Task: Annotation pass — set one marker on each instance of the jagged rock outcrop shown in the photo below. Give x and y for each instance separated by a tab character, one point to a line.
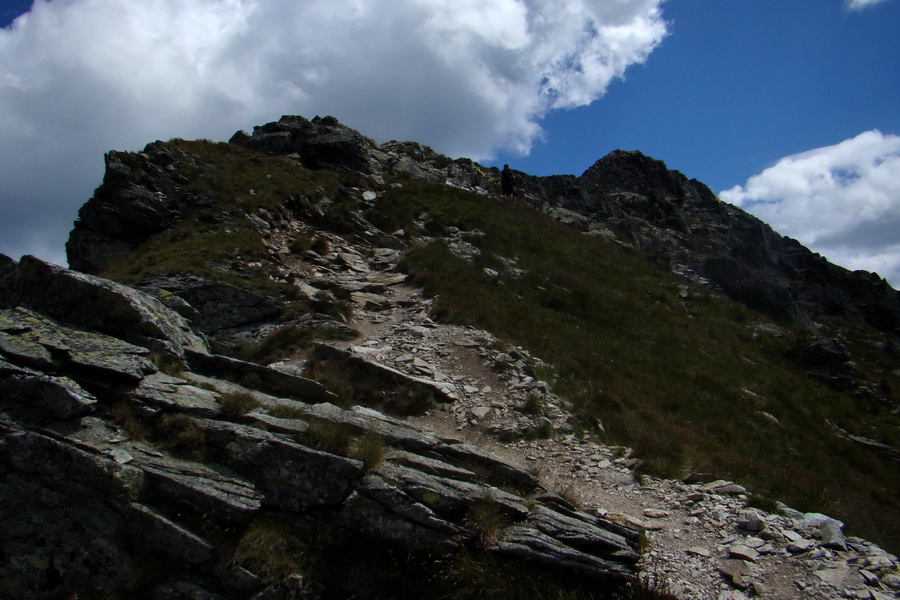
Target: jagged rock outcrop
324	143
106	461
211	305
145	193
96	303
139	197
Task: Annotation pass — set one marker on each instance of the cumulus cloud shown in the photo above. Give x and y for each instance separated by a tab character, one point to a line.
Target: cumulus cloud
468	77
842	201
861	4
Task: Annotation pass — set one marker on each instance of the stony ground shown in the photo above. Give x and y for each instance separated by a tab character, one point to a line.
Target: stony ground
702	540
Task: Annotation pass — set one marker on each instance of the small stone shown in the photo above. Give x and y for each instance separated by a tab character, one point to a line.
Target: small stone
423	366
120	456
698	551
655	513
720	514
771	535
832	536
732	595
760	589
743	552
737	571
481	412
833	577
700	478
627	520
869	577
792	536
892	581
716	484
294	582
801	546
879	563
732	488
751	520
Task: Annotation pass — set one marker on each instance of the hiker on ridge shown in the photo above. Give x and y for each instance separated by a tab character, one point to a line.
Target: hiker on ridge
507	188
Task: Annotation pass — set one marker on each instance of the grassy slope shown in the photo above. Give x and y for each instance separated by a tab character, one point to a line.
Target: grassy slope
683	381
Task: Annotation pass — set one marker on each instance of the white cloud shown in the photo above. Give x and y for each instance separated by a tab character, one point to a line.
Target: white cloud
468	77
842	201
861	4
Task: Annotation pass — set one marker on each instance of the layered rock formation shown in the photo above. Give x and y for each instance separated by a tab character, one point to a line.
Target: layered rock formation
107	461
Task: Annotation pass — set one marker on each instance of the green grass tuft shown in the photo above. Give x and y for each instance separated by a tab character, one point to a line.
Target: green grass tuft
180	434
329	436
370	449
237	404
280	343
488	519
268	549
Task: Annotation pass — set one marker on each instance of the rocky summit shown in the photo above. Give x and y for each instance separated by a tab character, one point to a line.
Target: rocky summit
301	364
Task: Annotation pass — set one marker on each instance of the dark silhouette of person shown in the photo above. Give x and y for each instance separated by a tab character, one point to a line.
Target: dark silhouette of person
507	183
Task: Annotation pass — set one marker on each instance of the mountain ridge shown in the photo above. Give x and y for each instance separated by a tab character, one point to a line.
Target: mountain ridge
658	210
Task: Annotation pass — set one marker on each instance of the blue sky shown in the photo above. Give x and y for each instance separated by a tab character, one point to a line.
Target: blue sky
790	109
735	86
